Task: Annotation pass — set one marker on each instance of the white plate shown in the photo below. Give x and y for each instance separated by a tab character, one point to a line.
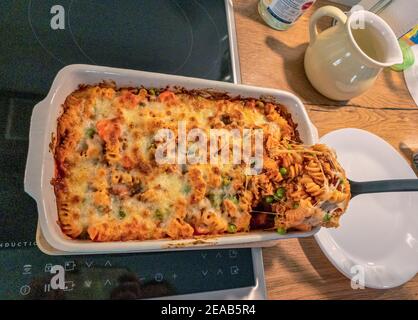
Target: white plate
411	76
379	232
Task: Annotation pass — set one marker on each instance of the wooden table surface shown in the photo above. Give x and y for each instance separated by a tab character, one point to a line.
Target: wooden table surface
297	269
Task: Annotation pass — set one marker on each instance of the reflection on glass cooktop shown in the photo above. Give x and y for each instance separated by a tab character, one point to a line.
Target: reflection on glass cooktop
186	37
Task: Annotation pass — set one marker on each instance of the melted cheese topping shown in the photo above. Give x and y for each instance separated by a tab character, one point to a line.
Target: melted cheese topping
109	186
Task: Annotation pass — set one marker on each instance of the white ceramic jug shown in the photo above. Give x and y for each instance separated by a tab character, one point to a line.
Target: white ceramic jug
343	61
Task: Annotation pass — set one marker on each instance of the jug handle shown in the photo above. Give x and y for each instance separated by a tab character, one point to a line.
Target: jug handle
322	12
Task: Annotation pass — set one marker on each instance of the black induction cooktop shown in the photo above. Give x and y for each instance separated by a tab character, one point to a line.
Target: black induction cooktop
38	38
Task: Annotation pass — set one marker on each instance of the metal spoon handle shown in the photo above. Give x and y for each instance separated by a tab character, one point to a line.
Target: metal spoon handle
383	186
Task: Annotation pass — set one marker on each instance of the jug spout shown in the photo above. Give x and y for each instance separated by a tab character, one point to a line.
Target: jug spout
373	39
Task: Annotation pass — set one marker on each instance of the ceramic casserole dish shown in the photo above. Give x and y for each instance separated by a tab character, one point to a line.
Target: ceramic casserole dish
40	166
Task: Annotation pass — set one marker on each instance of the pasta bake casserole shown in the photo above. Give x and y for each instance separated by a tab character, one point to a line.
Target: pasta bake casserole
110	187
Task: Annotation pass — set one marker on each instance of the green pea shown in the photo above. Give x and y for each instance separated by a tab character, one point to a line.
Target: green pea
281	231
187	188
84	146
259	104
152	91
327	217
283	171
122	214
232	228
158	214
234	199
211	197
226	181
90	132
295	205
269	199
215	199
280	193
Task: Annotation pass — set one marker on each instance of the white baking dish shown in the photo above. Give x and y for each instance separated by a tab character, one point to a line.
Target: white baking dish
40	163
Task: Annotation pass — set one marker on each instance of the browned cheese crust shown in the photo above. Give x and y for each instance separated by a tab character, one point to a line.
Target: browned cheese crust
109	186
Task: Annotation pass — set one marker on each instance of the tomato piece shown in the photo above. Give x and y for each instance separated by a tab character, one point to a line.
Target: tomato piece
130	100
109	130
167	96
127	163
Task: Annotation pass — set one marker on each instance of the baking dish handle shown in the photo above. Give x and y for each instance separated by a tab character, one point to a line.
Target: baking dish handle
33	170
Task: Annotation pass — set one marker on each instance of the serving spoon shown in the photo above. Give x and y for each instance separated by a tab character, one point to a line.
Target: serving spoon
364	187
399	185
